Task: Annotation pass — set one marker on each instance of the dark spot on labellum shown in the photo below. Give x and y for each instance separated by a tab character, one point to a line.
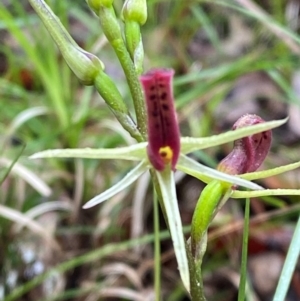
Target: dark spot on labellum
165	107
265	136
163	154
255	140
161	85
152	97
163	96
152	88
154	113
167	122
157	126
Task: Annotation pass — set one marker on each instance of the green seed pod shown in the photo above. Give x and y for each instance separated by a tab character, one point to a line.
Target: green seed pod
208	201
135	10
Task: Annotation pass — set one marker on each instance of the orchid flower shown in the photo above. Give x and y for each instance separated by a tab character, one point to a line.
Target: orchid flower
166	151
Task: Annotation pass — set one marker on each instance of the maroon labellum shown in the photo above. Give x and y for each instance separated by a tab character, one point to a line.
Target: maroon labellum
249	152
163	130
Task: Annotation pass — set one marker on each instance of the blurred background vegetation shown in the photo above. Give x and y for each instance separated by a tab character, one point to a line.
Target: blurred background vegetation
231	57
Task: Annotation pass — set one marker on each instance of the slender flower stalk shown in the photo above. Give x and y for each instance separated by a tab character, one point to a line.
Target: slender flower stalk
88	68
112	31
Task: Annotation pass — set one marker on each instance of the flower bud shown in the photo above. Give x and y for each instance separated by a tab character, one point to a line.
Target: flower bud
96	4
85	65
249	152
163	129
135	10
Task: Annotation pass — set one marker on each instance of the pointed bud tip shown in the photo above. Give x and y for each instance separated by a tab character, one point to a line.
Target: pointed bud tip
85	65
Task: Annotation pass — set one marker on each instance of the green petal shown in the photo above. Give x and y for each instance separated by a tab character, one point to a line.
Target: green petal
189	144
167	186
270	172
135	152
267	192
125	182
206	174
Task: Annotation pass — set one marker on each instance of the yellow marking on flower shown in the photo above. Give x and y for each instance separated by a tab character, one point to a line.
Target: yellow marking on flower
166	154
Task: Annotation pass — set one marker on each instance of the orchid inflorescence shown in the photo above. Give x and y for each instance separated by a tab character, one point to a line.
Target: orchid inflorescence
164	154
163	151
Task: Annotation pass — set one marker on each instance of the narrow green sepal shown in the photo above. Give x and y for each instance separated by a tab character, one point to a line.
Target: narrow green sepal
168	191
208	201
135	10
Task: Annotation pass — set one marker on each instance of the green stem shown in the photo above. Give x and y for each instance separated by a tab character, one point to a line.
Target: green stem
110	93
157	257
113	33
134	85
242	286
196	282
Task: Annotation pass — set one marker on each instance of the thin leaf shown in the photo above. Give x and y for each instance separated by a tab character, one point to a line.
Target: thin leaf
28	176
25	116
267	192
289	265
42	209
243	279
11	165
206	174
135	152
168	191
23	220
189	144
270	172
132	176
157	249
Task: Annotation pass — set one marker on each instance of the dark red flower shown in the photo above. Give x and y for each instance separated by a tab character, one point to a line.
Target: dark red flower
249	152
163	130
